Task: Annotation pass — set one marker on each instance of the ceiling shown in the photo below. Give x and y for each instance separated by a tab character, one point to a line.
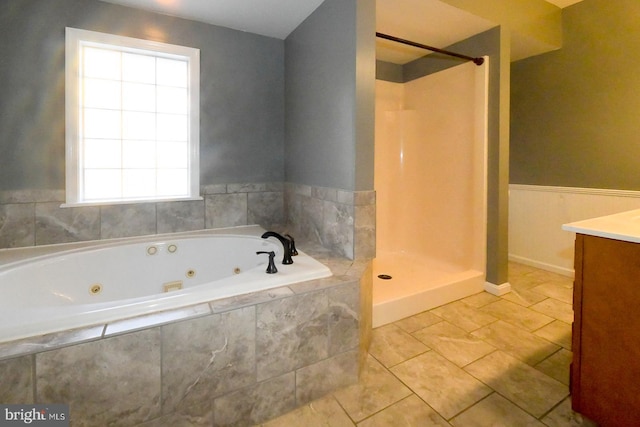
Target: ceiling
272	18
430	22
563	3
434	23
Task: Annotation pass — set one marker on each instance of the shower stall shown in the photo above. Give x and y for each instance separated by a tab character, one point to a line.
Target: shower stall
430	182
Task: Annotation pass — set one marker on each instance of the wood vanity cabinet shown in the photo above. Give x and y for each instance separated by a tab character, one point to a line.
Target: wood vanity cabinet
605	373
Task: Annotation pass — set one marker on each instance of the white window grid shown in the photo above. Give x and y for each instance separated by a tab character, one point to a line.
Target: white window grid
131	137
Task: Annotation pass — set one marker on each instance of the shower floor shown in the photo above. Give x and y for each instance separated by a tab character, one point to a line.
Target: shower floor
417	284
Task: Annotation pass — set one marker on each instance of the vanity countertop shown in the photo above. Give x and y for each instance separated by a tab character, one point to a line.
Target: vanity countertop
623	226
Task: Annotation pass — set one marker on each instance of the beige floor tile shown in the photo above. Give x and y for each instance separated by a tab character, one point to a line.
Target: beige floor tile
563	416
418	321
495	411
455	344
319	413
517	342
517	315
445	387
556	309
463	316
391	345
524	297
557	332
557	366
555	291
495	387
376	390
410	412
528	388
479	300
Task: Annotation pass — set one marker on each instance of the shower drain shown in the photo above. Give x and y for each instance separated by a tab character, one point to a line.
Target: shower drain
384	277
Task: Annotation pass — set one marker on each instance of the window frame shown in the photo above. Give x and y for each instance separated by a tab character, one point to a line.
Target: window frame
75	39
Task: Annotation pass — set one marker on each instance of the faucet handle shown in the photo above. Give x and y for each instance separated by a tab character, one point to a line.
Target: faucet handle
271	268
292	245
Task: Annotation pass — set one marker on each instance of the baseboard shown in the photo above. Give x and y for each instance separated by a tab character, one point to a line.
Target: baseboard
569	272
497	290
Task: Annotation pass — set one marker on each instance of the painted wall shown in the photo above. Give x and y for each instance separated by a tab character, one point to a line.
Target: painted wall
330	97
330	69
574	117
242	90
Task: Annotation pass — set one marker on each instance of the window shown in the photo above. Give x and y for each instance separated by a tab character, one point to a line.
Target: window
132	119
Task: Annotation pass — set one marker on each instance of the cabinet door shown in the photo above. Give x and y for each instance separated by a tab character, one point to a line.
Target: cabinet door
607	331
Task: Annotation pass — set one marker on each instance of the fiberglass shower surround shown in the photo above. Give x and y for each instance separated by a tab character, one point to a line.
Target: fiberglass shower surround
430	182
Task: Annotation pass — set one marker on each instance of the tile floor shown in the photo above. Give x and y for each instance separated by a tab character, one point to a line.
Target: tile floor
480	361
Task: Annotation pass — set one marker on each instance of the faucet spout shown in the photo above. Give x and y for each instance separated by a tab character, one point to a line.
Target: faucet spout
286	244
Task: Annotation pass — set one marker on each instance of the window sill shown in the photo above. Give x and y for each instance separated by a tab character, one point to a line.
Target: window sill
128	202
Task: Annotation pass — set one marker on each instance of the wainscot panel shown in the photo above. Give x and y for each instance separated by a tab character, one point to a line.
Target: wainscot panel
536	215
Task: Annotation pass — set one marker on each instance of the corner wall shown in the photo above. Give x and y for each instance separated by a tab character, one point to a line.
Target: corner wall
241	84
329	67
574	132
329	74
575	111
329	98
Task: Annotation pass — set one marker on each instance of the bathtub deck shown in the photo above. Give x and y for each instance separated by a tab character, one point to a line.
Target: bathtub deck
417	284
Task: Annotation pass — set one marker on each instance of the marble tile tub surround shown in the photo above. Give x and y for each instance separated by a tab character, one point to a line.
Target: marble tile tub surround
342	221
34	217
237	361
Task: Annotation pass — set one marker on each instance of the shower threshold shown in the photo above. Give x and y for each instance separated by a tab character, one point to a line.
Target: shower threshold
417	284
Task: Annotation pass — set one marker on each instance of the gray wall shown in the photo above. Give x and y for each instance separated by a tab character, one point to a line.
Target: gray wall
328	129
574	117
489	44
365	94
242	90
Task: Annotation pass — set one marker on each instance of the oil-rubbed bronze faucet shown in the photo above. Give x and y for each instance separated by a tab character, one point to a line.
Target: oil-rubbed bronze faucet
292	244
271	268
286	244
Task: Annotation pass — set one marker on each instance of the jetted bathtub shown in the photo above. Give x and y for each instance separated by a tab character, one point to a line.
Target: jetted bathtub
66	286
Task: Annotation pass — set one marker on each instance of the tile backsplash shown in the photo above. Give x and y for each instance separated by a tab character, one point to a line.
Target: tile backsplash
34	217
342	221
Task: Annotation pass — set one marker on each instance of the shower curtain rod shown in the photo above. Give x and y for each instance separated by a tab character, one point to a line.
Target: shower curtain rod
477	61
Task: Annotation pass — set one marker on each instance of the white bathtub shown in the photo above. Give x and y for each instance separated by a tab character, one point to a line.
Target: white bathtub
67	286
